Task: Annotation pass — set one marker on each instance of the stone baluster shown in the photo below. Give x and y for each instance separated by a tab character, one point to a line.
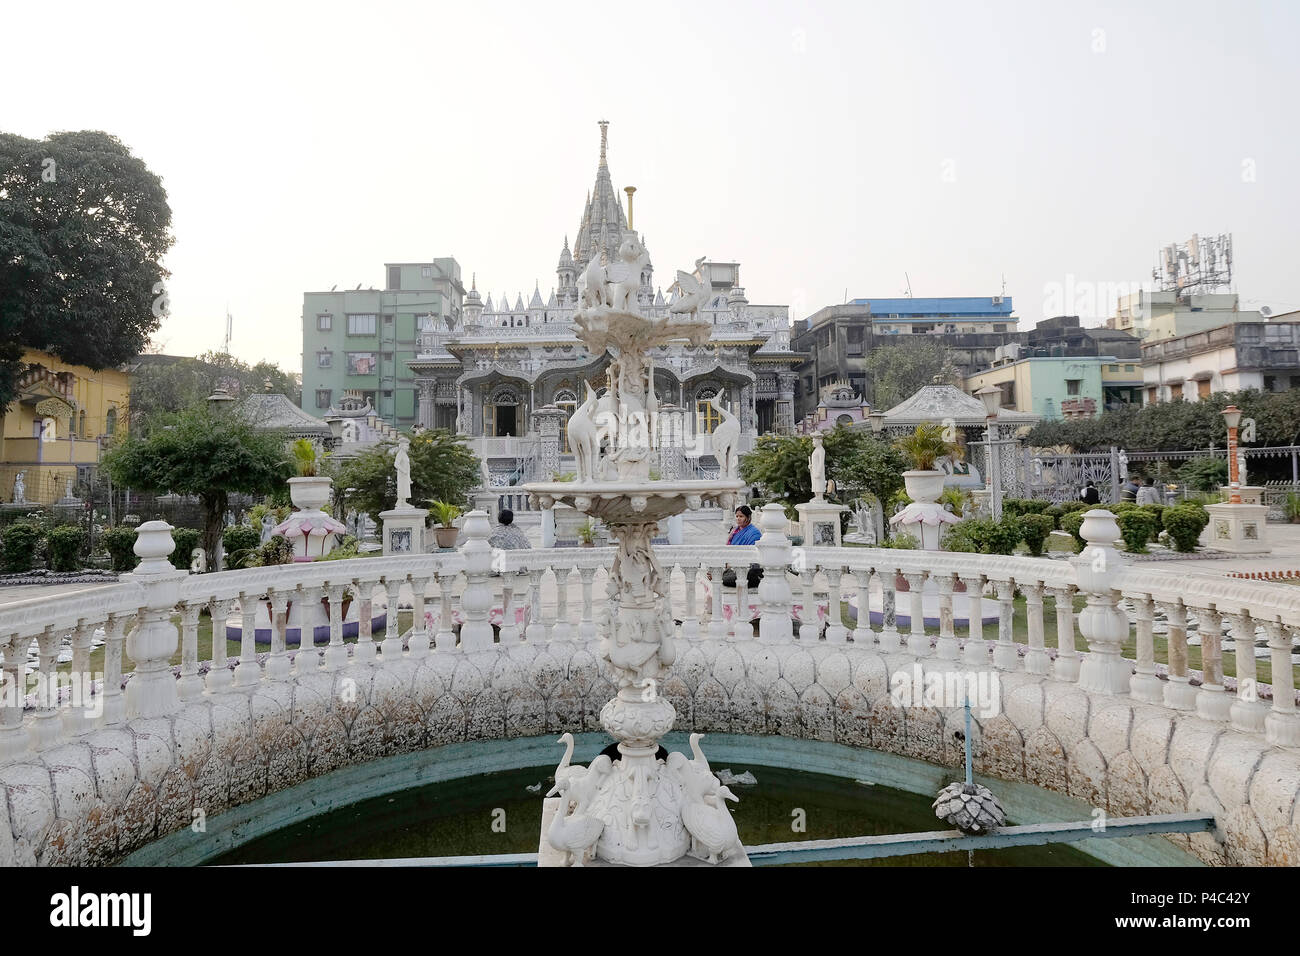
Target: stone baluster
1145	685
391	646
535	633
775	624
1006	657
690	620
45	725
836	632
918	644
336	654
1178	691
152	690
247	671
562	630
445	638
1212	701
1247	711
418	642
476	601
1281	726
718	615
1104	626
890	640
307	660
862	632
219	677
512	585
277	665
81	712
809	624
742	625
976	651
363	652
1066	666
946	646
190	684
114	641
1036	653
14	739
587	626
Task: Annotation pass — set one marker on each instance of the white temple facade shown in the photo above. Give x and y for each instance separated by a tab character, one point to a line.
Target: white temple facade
491	367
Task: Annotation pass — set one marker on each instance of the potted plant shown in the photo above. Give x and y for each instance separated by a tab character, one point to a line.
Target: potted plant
587	533
924	447
445	514
309	491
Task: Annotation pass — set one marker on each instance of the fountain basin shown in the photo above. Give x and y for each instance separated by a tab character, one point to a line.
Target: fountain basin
628	502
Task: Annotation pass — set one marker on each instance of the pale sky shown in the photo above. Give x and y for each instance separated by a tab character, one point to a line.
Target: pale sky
830	148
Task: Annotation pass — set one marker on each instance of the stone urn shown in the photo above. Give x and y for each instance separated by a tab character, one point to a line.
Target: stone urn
309	494
924	487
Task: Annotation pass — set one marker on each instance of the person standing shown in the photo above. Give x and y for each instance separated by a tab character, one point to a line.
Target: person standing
1128	491
744	532
1147	494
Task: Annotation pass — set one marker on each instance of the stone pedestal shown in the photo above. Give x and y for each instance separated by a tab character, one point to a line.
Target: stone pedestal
486	501
1238	529
1250	494
819	523
403	530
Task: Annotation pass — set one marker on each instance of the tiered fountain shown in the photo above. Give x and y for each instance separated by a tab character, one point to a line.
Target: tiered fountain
635	810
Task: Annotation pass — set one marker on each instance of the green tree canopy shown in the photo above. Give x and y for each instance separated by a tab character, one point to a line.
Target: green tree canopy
198	452
900	368
855	460
442	468
164	384
83	229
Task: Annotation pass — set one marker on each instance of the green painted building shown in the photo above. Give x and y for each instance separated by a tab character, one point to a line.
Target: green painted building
361	341
1054	387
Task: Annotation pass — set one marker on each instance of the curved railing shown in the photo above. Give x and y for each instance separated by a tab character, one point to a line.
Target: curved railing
550	595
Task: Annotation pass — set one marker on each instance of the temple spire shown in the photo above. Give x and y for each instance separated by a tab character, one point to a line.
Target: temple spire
604	134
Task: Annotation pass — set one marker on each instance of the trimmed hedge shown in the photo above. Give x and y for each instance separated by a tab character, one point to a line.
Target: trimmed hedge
119	542
985	536
63	544
18	547
240	543
1185	523
187	539
1072	522
1034	529
1138	527
1024	506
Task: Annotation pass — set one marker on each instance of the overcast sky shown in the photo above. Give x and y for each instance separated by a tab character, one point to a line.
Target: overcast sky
830	148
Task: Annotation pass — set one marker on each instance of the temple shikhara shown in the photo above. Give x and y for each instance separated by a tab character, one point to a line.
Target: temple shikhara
489	369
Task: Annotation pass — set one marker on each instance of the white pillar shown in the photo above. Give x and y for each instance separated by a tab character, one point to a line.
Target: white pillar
152	690
774	625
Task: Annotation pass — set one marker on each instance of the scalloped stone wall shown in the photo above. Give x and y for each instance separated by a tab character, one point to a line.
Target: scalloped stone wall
112	791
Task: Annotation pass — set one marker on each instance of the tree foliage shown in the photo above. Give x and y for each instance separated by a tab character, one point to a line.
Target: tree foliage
199	452
83	229
442	468
855	460
899	368
159	386
1178	426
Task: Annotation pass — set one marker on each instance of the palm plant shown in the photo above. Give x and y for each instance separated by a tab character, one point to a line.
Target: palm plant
926	446
305	457
443	513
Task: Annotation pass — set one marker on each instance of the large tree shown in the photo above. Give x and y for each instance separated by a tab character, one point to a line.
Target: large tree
83	228
899	367
442	468
204	453
855	460
163	384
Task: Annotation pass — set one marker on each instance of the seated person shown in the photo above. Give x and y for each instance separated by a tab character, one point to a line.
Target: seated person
507	536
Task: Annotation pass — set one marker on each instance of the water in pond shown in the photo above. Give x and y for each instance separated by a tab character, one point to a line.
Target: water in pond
456	819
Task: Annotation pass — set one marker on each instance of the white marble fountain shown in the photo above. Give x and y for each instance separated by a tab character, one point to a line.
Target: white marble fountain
635	809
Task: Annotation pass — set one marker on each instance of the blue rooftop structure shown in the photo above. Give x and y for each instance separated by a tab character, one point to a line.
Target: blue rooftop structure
979	306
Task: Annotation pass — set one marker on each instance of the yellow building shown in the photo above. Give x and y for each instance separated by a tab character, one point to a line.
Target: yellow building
61	418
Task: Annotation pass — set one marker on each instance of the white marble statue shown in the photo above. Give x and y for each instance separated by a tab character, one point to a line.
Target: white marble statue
20	488
402	462
268	528
726	439
485	473
1241	468
67	489
695	293
584	437
817	467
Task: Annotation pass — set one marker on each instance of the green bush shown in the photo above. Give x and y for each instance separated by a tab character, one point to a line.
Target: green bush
63	544
348	547
18	549
1024	506
903	541
1138	527
1035	528
276	551
985	536
1157	512
1072	522
1205	474
240	543
187	539
1185	523
119	542
1068	506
